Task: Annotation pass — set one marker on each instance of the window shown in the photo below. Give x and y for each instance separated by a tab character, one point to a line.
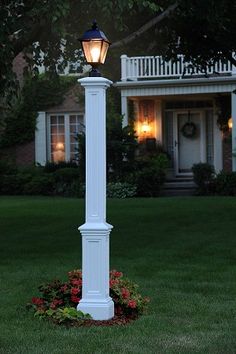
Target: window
62	132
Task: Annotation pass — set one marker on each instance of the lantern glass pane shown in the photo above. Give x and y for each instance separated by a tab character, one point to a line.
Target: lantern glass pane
104	50
92	51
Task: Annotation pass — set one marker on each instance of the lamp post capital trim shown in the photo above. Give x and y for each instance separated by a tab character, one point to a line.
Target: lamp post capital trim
95	227
95	81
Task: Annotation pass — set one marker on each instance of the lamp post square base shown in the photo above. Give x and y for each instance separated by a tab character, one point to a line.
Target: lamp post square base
98	310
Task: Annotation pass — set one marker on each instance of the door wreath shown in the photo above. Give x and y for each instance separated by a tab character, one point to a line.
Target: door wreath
189	130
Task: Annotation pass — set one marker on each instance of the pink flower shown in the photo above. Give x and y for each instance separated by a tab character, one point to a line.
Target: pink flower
132	304
37	301
118	274
64	288
55	303
113	282
75	299
125	293
76	282
74	291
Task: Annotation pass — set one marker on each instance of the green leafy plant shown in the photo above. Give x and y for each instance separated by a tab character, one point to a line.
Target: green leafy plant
225	183
58	300
121	190
203	176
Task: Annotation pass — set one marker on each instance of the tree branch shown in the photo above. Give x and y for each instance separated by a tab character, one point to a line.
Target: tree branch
20	43
145	27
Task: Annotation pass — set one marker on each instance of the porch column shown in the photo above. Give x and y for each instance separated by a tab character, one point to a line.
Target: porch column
233	112
218	144
124	109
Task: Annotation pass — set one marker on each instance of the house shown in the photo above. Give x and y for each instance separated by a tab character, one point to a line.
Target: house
175	105
179	107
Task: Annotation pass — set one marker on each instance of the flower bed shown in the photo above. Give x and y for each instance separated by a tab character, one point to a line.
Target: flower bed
58	301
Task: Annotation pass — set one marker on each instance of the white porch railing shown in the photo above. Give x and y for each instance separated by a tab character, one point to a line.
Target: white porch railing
150	67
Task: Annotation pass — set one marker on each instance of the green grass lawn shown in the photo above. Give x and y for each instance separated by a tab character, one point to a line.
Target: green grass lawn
181	251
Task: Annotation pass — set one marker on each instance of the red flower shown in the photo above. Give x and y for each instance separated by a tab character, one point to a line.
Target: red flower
76	282
37	301
75	299
118	274
55	303
113	282
132	304
125	293
74	291
63	288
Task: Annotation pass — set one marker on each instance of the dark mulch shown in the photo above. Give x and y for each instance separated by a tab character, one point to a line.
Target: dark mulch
115	321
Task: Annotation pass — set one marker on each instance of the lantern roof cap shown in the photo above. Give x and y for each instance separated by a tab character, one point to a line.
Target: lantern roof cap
94	33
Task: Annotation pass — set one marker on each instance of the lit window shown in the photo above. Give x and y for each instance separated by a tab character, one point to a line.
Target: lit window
63	132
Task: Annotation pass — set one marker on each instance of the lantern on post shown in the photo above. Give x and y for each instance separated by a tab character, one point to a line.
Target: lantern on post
95	46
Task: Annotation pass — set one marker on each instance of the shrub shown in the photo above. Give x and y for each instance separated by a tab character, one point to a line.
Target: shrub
225	183
149	181
54	166
59	300
67	182
40	185
203	176
121	190
6	168
13	184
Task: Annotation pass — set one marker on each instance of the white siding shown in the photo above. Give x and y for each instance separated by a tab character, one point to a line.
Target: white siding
40	139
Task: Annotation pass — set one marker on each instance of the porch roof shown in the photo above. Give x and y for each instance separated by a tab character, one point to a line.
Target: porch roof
195	85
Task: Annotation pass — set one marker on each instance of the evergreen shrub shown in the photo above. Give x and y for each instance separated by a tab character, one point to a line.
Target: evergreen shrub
203	176
225	183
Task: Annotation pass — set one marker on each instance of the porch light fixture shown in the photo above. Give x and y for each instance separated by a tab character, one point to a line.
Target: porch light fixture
230	123
95	46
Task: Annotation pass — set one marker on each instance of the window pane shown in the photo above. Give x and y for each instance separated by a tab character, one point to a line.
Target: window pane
72	119
61	129
57	138
54	129
53	119
60	119
74	129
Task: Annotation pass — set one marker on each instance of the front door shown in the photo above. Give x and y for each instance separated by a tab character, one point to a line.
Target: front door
189	141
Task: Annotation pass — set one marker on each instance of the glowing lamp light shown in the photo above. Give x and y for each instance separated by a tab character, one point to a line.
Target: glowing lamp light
230	123
95	46
146	127
60	147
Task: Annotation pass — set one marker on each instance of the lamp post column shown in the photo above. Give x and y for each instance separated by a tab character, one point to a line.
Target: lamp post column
95	232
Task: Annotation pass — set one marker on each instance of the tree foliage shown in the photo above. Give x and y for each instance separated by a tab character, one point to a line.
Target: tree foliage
202	30
38	93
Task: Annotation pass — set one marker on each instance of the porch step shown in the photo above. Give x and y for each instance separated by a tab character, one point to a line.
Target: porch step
179	186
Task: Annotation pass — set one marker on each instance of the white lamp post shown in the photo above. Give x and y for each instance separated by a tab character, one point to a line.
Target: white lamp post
95	232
